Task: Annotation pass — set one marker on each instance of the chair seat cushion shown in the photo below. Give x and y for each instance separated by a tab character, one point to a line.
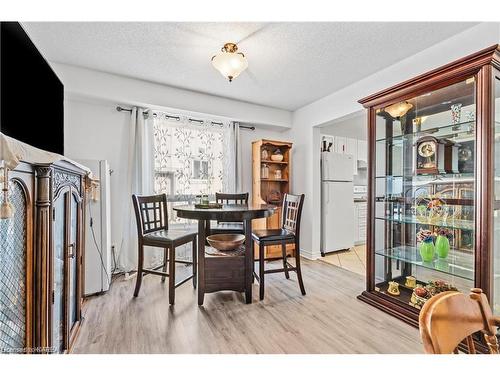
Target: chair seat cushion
160	237
272	235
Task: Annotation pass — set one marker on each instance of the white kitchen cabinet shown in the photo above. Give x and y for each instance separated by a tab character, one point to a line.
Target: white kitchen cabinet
352	149
340	145
360	222
362	150
356	224
343	145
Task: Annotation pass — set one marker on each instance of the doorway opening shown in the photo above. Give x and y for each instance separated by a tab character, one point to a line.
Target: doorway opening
343	179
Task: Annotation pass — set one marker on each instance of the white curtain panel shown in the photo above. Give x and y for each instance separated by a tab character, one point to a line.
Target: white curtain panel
139	181
234	159
238	168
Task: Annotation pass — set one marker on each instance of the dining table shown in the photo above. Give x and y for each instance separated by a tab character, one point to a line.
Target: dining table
231	272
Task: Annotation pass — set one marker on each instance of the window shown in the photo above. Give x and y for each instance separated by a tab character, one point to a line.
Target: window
200	169
191	158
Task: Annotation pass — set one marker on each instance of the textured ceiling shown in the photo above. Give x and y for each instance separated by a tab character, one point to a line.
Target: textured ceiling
290	64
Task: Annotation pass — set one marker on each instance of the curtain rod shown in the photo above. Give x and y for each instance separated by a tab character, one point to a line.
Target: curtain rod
122	109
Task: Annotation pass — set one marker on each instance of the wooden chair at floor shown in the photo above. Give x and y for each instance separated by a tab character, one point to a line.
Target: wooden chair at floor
151	215
289	233
449	318
226	226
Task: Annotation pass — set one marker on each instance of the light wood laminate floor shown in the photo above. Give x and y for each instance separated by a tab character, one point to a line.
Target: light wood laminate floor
329	319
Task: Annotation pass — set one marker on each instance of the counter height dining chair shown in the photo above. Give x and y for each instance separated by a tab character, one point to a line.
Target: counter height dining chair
229	227
291	212
449	318
151	215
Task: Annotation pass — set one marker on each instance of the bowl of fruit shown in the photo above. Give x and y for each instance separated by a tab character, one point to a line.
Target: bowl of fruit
419	296
421	293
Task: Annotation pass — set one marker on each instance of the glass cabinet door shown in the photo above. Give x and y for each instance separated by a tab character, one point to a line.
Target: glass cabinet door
424	194
58	307
73	259
66	297
496	197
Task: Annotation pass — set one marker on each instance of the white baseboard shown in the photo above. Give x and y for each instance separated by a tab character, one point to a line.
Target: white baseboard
305	253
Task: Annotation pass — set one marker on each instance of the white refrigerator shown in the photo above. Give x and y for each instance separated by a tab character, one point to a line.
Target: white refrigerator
338	231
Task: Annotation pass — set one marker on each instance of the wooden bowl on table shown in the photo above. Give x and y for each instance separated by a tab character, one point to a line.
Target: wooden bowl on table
226	242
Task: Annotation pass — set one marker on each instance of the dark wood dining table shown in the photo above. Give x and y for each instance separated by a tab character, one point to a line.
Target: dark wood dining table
217	273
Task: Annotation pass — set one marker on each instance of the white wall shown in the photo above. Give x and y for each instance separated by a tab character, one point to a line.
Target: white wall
351	127
95	130
124	90
305	121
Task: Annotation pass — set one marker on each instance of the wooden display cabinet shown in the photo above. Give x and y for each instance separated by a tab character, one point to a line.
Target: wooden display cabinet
270	189
42	252
457	104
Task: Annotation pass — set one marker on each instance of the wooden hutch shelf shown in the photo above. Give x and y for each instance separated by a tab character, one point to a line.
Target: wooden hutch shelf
273	162
271	188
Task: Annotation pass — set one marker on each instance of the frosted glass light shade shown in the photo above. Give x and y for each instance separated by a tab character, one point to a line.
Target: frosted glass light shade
398	109
229	62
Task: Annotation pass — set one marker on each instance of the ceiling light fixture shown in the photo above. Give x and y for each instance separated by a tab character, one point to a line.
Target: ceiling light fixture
229	62
398	109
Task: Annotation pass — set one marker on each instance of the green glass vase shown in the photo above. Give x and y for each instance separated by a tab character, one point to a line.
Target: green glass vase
442	246
426	249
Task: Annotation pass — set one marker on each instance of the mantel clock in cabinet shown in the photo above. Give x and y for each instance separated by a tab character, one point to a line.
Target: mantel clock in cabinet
434	186
271	167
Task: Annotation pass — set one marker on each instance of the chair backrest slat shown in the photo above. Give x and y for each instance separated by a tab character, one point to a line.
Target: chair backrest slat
150	213
227	198
450	318
291	212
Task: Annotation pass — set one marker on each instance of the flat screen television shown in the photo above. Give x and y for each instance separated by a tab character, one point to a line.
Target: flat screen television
31	94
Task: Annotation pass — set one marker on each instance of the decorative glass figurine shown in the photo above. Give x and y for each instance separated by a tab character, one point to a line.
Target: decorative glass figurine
456	112
393	288
265	154
264	171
